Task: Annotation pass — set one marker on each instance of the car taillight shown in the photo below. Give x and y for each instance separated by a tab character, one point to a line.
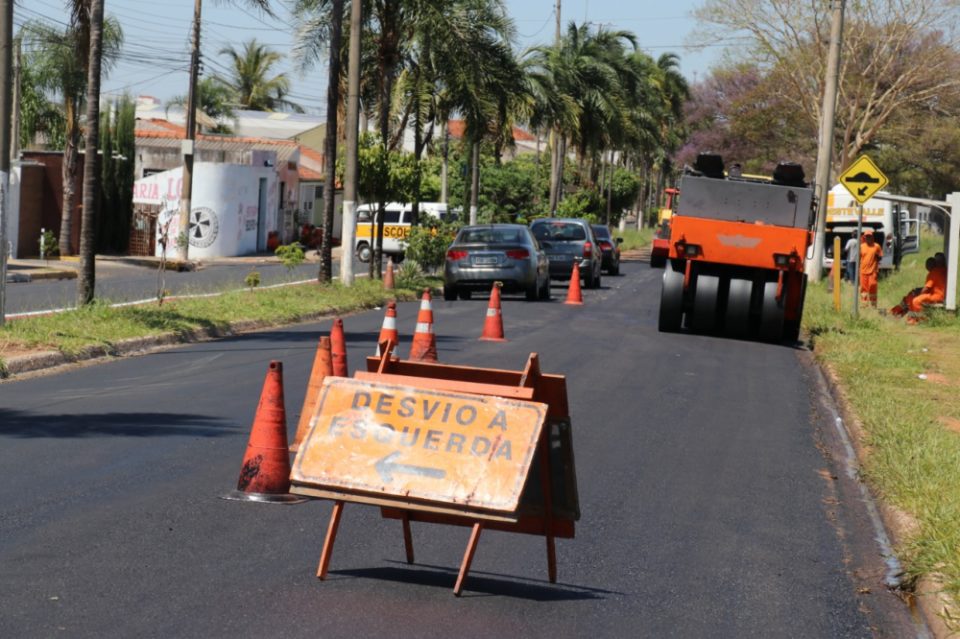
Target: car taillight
456	256
605	246
518	254
587	249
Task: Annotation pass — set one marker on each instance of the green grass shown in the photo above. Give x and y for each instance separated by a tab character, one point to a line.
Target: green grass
634	239
102	325
911	425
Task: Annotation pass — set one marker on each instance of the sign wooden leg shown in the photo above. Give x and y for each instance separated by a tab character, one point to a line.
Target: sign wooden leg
468	557
548	504
331	537
407	538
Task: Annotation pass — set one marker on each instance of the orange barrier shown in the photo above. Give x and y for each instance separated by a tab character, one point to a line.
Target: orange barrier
322	367
493	325
388	276
481	448
574	296
265	473
424	346
388	332
338	348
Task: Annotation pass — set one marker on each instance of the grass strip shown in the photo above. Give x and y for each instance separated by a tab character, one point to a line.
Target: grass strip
634	238
100	324
911	423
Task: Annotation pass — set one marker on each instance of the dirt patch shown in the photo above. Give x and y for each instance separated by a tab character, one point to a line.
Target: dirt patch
951	423
939	378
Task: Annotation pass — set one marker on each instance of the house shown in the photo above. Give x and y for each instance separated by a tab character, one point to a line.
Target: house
245	189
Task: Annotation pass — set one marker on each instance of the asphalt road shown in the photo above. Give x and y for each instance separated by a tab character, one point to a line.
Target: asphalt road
712	502
119	282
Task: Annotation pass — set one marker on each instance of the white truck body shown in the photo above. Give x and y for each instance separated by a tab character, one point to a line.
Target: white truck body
897	236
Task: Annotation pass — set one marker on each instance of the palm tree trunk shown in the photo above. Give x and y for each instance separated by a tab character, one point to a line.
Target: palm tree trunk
474	181
68	175
445	164
87	281
330	144
554	155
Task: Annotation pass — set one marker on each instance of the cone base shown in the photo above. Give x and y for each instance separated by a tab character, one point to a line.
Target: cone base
266	498
493	339
574	303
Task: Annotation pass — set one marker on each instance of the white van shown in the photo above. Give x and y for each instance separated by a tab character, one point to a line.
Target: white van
396	226
897	234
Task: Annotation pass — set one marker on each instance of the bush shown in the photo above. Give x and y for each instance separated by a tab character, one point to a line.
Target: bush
427	243
291	255
410	276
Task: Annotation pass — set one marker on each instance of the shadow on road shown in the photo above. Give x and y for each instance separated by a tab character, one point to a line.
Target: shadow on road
478	584
23	424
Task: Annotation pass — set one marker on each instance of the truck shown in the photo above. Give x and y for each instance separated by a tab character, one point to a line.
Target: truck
660	247
736	258
892	226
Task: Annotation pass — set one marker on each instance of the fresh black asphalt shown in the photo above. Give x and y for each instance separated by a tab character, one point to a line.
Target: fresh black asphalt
710	499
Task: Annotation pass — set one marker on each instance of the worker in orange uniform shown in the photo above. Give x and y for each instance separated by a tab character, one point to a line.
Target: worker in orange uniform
933	272
934	291
870	255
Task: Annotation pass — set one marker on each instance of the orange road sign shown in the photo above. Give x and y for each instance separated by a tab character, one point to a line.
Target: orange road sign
863	179
439	446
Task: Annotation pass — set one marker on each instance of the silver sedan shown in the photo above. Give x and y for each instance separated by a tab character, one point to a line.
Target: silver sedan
483	254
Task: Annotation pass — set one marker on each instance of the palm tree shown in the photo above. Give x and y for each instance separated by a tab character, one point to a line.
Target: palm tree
91	185
251	82
59	59
215	100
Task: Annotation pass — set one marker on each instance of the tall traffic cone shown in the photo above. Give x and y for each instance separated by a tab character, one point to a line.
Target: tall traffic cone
322	367
493	326
388	332
388	276
338	349
574	296
265	474
424	346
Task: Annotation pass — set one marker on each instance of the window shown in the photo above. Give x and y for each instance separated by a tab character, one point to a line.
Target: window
560	232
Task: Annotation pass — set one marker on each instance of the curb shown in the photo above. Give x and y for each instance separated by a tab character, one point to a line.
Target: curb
45	361
936	607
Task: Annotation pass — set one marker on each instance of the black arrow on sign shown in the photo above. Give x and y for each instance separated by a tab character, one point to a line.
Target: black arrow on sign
385	468
862	191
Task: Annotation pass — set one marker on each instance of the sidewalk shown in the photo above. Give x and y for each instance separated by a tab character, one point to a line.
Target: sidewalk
28	270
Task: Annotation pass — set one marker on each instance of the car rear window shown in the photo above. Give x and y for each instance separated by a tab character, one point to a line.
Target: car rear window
491	236
602	232
559	232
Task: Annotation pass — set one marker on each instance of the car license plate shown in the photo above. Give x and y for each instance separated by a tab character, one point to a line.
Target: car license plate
485	261
560	257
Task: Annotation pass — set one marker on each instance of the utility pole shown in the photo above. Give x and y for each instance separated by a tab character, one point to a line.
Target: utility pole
349	226
556	36
15	128
183	236
825	147
6	51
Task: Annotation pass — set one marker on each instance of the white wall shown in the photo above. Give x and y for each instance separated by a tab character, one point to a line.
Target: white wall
225	207
13	211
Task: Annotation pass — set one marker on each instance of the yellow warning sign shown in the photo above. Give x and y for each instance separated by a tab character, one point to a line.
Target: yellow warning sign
455	448
863	179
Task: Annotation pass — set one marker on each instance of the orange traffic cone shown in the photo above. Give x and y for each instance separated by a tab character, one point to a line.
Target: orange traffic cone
265	474
424	346
338	349
574	296
493	326
388	276
322	367
388	332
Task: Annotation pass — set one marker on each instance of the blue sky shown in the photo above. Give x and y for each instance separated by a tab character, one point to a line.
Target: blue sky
156	52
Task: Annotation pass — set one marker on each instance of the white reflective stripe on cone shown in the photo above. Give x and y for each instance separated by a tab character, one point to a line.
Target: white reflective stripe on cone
424	327
492	312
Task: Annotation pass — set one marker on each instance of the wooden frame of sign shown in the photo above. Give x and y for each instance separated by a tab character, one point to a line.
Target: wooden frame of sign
547	505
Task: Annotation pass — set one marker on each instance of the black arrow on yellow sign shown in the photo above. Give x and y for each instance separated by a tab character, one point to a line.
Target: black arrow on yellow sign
386	468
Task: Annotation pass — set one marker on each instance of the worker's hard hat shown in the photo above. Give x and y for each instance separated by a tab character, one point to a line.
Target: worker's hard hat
868	231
